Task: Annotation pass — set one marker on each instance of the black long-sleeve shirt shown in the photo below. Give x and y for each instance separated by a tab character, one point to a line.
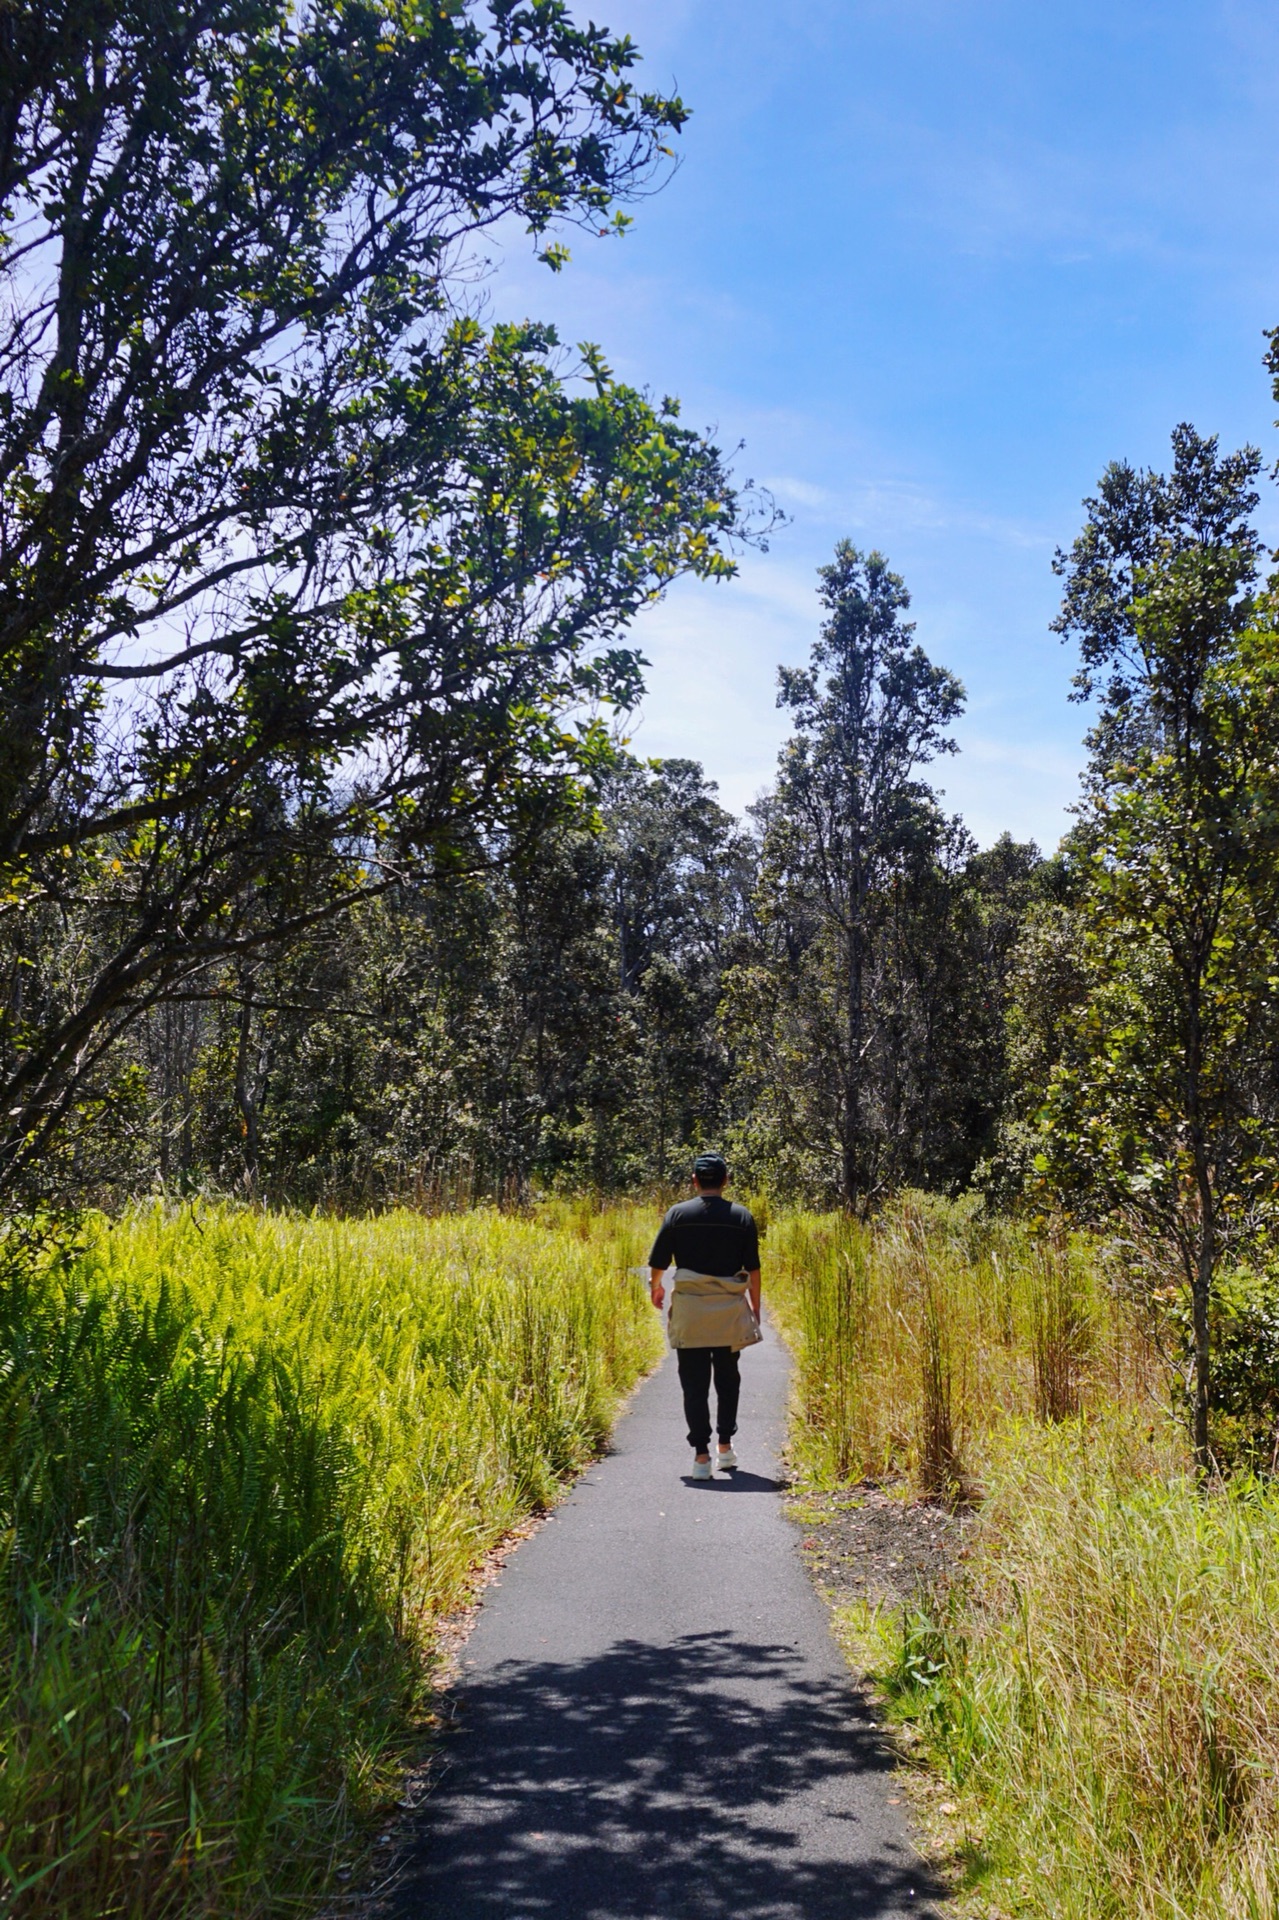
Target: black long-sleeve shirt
708	1234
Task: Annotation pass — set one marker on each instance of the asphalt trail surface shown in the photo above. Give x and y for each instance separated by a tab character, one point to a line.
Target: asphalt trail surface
655	1723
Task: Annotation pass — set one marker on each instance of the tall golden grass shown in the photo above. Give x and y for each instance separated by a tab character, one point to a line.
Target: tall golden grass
1102	1690
1099	1686
246	1462
919	1333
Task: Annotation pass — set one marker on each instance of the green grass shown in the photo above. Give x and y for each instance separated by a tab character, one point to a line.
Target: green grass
1092	1704
916	1336
1101	1692
246	1464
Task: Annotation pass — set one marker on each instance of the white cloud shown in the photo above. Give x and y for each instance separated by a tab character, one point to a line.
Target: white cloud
887	506
801	492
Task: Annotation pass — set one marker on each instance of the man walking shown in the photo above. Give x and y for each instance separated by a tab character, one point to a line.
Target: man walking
714	1303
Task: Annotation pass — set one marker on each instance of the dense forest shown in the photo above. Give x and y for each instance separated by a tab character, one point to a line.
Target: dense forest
325	874
842	990
648	976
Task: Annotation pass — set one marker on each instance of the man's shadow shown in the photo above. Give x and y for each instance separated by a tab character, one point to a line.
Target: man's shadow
737	1481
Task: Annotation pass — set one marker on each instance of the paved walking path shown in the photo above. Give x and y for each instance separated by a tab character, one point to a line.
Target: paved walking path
656	1724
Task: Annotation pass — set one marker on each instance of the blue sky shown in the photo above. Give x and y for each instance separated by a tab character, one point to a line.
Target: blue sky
935	262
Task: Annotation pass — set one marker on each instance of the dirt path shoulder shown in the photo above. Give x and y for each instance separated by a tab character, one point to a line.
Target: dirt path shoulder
863	1543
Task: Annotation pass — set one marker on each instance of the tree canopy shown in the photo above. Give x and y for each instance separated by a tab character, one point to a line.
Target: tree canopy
305	576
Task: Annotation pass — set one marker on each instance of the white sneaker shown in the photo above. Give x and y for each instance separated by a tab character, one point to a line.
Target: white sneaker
702	1469
727	1458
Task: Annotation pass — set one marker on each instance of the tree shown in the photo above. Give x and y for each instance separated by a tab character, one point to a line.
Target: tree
1041	1006
300	570
855	857
1167	1109
680	876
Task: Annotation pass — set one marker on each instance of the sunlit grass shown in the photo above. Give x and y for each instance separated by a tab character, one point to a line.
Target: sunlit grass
247	1462
1101	1691
918	1334
1097	1689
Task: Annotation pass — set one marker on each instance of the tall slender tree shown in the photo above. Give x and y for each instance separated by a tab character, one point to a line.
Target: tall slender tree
1166	1105
847	836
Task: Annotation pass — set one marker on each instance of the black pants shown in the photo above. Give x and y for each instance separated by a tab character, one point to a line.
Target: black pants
696	1365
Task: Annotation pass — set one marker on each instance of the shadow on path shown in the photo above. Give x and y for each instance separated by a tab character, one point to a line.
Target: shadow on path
738	1481
707	1778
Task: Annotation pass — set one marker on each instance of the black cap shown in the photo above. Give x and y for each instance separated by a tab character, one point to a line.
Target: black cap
710	1169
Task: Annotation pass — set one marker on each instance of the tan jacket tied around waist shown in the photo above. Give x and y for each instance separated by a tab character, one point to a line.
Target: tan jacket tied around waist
707	1311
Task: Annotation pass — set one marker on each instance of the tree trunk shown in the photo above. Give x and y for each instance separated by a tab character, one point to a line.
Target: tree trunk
1201	1294
853	1180
246	1094
1206	1256
1200	1298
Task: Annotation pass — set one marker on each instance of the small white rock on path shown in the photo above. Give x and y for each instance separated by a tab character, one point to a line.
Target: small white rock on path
654	1722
